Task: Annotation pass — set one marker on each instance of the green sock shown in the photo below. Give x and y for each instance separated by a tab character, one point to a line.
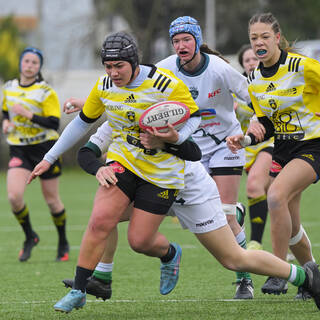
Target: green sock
297	275
103	276
241	239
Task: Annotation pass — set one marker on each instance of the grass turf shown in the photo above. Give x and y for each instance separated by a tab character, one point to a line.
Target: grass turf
30	289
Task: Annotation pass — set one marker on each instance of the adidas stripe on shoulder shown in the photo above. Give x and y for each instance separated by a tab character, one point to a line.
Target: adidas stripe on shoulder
107	83
250	77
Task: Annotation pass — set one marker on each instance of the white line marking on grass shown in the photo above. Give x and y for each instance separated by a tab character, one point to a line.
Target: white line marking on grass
149	301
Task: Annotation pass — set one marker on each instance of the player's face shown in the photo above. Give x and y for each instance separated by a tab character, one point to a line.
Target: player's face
249	61
119	71
30	65
184	45
265	43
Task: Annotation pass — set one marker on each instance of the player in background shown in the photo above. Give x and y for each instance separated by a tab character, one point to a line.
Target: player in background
31	116
285	96
148	178
258	160
212	81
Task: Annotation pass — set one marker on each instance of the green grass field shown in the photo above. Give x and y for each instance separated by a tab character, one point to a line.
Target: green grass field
29	290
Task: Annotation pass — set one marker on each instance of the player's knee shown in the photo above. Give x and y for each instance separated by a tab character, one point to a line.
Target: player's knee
274	198
138	243
254	187
100	226
15	199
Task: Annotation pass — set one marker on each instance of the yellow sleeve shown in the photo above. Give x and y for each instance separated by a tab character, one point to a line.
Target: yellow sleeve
312	75
255	103
93	107
182	94
4	102
51	105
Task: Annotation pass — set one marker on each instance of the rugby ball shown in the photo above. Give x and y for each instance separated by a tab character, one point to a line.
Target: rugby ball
161	114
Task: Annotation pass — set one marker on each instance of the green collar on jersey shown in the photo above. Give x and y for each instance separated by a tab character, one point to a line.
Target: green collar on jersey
198	72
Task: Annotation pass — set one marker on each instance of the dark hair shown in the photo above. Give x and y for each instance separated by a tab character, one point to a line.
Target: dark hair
269	18
204	48
120	46
241	52
37	52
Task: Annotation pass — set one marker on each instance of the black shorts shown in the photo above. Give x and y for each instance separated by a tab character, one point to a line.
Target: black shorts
29	156
146	196
226	171
285	151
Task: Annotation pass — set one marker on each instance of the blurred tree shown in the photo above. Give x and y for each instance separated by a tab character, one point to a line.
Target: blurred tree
10	48
149	19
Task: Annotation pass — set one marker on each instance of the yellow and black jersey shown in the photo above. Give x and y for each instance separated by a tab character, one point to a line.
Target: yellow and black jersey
40	99
124	107
289	95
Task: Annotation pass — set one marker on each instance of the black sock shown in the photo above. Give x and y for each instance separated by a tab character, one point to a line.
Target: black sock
59	220
23	218
258	211
81	278
169	255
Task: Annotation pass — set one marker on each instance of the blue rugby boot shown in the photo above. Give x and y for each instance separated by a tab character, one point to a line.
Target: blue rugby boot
170	272
74	299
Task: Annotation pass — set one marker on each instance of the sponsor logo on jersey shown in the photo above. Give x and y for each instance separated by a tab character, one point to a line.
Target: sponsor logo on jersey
163	194
112	107
271	87
194	92
205	223
214	93
309	156
130	99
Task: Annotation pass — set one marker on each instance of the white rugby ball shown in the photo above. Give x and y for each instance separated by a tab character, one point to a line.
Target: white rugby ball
161	114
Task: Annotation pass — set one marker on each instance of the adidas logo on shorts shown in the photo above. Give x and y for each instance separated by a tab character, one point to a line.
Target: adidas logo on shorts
163	194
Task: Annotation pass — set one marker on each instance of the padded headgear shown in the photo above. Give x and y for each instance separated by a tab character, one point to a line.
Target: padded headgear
187	24
32	50
120	46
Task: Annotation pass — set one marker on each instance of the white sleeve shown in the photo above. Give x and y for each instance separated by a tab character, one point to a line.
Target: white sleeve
236	83
103	137
72	133
188	129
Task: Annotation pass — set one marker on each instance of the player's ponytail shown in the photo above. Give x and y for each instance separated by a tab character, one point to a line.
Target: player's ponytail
205	49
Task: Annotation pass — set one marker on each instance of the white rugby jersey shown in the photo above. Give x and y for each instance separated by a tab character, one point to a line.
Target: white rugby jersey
196	178
124	107
212	88
39	98
289	96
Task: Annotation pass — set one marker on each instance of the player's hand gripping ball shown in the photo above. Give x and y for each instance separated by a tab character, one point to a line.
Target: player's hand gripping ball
161	114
